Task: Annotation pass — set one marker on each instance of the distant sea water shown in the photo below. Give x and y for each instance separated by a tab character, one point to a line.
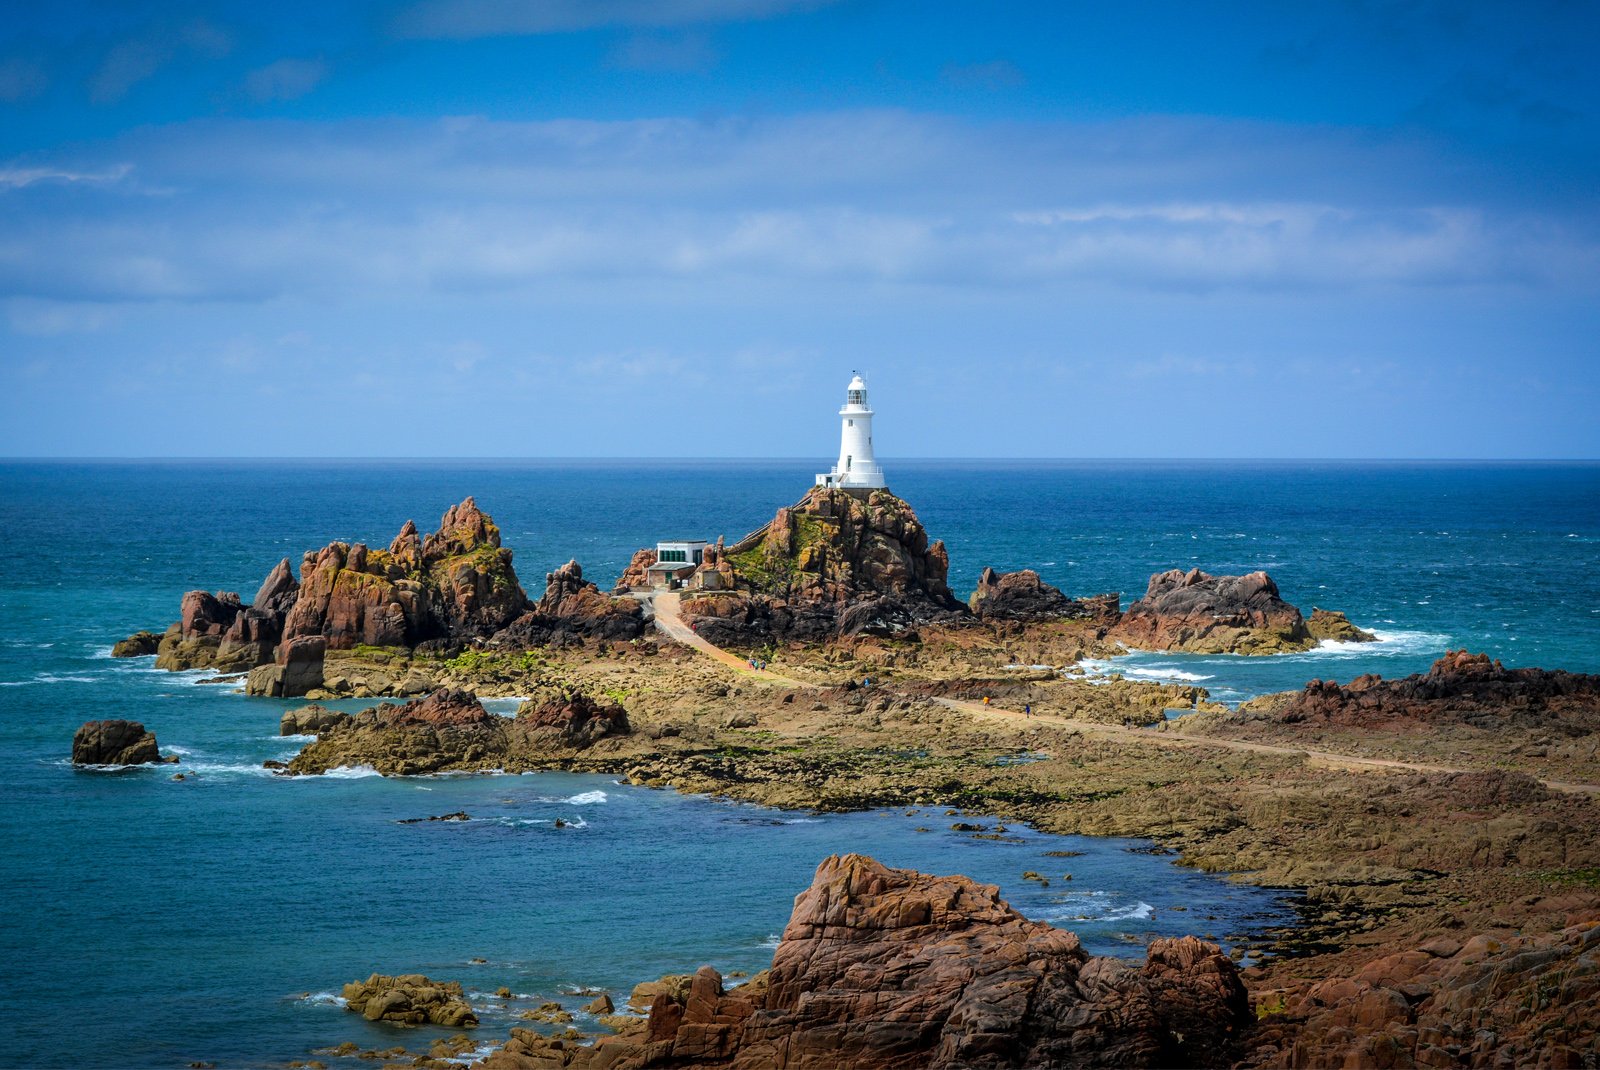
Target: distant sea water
155	923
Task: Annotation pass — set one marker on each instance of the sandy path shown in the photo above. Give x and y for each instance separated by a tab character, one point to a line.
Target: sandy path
670	621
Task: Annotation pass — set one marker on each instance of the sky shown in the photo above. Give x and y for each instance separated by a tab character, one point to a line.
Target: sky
673	228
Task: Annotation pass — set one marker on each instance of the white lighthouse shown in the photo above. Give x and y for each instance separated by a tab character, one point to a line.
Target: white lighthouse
857	468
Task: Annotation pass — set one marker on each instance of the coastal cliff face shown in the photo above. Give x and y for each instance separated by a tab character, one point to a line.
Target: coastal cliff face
1204	614
883	968
833	564
455	585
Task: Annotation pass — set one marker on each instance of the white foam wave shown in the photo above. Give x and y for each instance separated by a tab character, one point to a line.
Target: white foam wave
802	821
772	941
324	999
232	768
302	737
51	678
467	1058
351	772
1138	912
1160	672
587	798
1389	643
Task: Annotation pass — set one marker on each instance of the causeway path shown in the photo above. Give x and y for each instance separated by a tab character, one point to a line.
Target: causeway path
670	620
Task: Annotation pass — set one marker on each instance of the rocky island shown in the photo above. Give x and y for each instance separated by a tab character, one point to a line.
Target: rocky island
1440	830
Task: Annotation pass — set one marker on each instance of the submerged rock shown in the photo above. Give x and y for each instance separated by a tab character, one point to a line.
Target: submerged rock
410	999
114	743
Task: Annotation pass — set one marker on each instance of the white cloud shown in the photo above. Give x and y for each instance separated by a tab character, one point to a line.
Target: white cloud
496	18
404	209
18	177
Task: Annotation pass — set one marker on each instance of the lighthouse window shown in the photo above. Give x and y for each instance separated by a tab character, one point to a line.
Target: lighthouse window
858	397
848	460
849	423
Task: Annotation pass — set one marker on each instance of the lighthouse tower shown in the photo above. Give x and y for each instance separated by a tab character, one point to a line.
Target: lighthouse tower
857	469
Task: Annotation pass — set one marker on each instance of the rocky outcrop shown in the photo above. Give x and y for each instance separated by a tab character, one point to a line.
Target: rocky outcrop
310	720
884	968
114	743
1336	627
637	574
410	999
1204	614
445	730
458	582
574	719
572	608
1498	998
440	591
137	645
1023	596
449	730
834	564
297	669
1460	688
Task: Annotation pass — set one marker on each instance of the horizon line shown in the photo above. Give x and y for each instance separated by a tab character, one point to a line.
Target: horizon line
659	460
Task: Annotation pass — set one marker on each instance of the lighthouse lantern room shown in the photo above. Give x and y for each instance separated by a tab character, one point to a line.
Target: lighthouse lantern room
857	468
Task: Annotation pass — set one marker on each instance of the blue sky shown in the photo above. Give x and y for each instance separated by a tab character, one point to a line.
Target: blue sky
630	228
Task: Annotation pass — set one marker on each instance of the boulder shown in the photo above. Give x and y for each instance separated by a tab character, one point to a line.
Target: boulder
1335	626
298	669
114	743
137	645
1196	612
1024	596
410	999
310	720
574	719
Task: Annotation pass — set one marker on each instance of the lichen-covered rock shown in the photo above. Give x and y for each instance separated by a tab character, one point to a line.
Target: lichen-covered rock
1196	612
410	999
1023	596
835	563
138	645
114	742
310	720
1331	625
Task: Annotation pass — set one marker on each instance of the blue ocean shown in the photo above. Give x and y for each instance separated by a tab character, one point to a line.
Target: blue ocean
152	922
